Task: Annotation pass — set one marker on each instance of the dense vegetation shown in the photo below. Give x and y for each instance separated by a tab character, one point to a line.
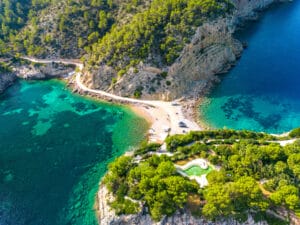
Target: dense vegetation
118	33
255	174
154	180
40	27
13	16
160	31
4	68
295	133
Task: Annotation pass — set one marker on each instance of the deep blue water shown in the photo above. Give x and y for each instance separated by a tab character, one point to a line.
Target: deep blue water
54	148
262	92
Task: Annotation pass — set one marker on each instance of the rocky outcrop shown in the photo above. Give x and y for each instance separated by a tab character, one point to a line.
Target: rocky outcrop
108	217
212	51
100	78
6	79
42	71
246	9
33	72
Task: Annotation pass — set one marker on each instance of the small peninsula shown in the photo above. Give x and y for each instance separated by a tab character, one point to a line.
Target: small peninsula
159	58
205	177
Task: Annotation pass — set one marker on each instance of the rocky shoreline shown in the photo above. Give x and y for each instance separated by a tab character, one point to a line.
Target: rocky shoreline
7	79
30	71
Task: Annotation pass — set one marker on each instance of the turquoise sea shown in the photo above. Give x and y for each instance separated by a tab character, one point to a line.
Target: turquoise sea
54	148
262	92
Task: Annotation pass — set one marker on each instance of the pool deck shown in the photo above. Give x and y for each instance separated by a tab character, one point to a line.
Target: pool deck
202	163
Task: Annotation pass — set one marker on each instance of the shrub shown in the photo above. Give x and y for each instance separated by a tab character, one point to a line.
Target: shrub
114	80
152	147
295	133
135	70
164	74
138	92
121	73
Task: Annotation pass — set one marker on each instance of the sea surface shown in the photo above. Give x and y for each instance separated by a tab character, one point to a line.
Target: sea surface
54	148
262	92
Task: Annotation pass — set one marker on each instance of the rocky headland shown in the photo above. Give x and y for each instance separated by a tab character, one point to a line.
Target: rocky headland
42	71
30	71
212	51
107	216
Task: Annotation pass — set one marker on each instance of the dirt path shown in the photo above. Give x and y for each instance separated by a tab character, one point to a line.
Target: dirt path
165	116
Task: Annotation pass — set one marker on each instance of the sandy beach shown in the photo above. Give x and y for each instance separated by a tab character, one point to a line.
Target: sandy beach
165	119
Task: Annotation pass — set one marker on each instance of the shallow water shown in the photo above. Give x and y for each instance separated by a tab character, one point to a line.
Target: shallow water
197	171
54	148
262	92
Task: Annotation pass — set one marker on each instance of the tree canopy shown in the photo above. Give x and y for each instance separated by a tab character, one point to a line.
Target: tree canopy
255	174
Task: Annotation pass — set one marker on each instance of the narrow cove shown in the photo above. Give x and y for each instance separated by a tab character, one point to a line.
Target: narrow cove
54	148
261	92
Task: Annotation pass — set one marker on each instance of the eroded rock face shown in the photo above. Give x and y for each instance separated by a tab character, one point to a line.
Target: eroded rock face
6	79
108	217
43	71
100	78
33	72
246	9
212	51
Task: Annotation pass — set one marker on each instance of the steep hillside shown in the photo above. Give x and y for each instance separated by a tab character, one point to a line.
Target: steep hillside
53	28
138	48
171	50
14	14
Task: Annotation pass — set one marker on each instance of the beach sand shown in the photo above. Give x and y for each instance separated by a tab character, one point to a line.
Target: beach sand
164	118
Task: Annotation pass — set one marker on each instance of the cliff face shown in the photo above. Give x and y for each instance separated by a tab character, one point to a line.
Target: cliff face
33	72
44	71
212	51
246	9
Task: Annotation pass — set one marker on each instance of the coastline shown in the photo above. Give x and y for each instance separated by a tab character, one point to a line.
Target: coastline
156	117
197	114
238	25
164	117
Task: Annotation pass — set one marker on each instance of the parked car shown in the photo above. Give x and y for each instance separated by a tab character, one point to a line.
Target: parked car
182	124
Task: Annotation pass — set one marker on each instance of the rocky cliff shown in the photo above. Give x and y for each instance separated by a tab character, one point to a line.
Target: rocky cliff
212	50
33	72
42	71
6	79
